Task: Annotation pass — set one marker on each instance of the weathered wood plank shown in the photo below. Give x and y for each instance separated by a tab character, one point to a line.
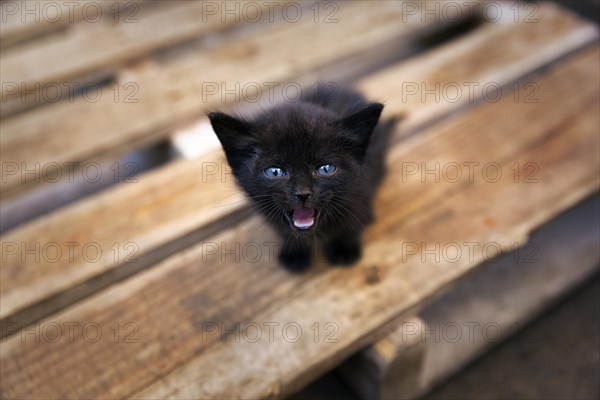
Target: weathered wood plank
25	280
495	301
109	43
464	71
187	291
190	204
568	255
23	20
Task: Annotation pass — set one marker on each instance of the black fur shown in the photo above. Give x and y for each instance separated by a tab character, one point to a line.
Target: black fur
329	126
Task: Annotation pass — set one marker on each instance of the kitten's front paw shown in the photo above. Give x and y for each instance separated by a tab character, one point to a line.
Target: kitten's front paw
343	252
295	259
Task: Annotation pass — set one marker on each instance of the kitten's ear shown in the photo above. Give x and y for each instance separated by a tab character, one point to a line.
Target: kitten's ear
235	136
232	132
360	126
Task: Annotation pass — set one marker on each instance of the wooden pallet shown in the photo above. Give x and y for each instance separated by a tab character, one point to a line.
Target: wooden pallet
470	316
175	288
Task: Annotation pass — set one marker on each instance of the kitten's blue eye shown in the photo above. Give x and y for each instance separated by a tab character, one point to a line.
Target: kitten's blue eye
326	169
274	172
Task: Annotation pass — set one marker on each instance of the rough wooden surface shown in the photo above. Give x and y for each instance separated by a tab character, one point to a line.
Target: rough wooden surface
189	290
512	299
109	43
171	94
472	67
495	301
23	20
205	197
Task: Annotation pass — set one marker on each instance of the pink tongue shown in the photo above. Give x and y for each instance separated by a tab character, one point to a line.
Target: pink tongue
304	217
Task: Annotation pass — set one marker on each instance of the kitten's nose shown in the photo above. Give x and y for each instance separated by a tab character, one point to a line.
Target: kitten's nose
302	196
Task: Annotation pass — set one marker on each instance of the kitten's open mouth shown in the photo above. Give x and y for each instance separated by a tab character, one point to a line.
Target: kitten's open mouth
303	217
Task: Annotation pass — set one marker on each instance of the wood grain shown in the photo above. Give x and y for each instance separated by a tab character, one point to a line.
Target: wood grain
512	298
188	196
493	302
24	20
473	67
177	304
110	43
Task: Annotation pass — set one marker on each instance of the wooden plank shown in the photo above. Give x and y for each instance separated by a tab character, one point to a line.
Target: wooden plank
186	290
563	264
24	20
495	301
133	228
464	71
109	43
187	202
78	184
171	95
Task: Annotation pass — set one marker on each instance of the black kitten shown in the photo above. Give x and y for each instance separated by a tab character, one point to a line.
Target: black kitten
311	169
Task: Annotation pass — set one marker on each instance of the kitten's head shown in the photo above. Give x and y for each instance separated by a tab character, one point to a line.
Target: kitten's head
298	162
